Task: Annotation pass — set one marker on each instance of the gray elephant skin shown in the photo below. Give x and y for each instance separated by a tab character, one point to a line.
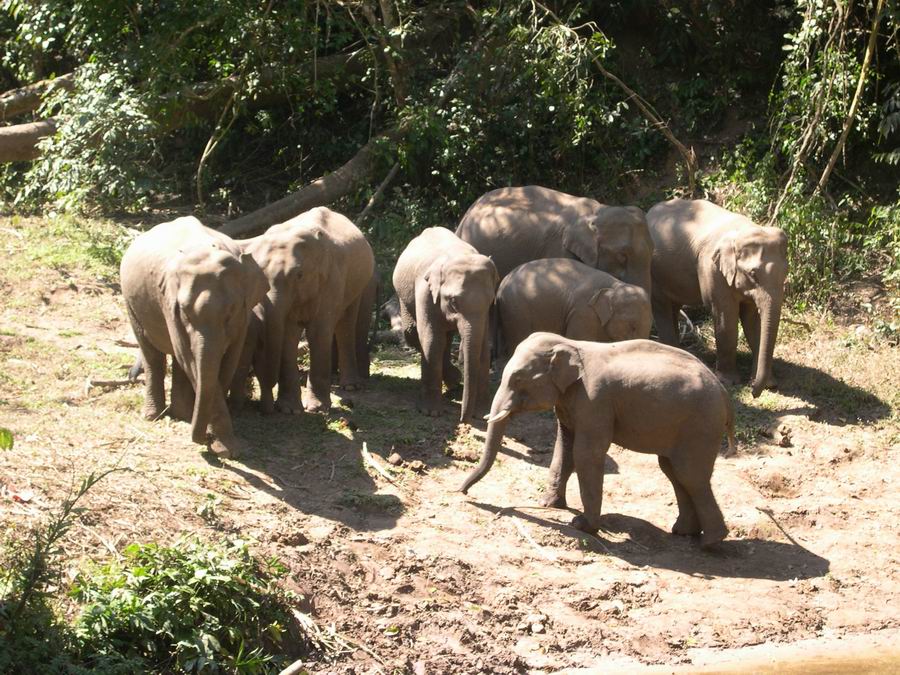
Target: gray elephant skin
444	286
639	394
189	291
564	296
320	270
517	224
706	255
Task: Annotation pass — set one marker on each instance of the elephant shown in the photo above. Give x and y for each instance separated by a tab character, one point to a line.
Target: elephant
189	291
639	394
564	296
515	225
706	255
320	268
444	285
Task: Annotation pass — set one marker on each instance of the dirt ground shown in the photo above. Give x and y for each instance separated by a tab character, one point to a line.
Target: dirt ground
423	579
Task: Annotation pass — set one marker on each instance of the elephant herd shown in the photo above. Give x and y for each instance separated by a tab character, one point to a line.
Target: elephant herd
564	288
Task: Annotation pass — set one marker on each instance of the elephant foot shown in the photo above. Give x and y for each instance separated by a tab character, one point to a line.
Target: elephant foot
153	412
551	500
286	406
230	448
685	526
713	537
267	406
430	409
182	413
728	377
313	404
580	522
769	383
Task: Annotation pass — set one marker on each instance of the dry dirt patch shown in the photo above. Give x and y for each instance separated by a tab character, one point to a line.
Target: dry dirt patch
431	581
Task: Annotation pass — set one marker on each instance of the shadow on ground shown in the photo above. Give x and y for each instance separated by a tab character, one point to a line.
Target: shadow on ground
651	546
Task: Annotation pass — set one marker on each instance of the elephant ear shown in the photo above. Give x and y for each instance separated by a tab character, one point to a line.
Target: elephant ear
725	258
565	367
257	284
434	277
602	305
580	239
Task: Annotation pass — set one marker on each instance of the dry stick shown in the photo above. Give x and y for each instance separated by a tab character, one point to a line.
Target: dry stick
370	460
690	158
854	104
537	547
377	194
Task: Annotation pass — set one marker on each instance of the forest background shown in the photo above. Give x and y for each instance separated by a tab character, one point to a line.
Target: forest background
400	114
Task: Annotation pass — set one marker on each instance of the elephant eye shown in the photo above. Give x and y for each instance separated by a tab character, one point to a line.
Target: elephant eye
752	274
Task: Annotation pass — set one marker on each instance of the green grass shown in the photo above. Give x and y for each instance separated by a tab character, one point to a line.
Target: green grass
66	244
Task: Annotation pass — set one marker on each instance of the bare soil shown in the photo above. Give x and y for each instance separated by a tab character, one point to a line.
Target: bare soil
424	579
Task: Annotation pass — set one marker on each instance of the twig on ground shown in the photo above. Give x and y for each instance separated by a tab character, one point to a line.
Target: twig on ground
91	383
126	343
293	486
795	322
370	461
328	639
537	547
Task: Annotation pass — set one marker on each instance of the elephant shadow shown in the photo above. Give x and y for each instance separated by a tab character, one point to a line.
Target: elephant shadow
649	545
315	464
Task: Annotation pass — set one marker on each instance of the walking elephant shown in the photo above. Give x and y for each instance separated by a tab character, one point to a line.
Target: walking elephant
564	296
320	269
188	291
706	255
639	394
444	285
517	224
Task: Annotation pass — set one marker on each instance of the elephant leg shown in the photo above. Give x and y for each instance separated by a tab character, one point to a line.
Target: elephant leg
345	334
693	470
665	316
561	467
751	324
410	330
154	363
451	375
225	444
725	316
589	454
182	407
687	522
483	404
288	400
433	345
363	326
319	335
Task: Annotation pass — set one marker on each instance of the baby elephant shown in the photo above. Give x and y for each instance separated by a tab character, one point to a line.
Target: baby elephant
638	394
564	296
188	291
445	285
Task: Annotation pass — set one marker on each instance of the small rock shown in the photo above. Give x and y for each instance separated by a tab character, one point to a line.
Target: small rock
537	628
535	618
417	465
387	572
395	459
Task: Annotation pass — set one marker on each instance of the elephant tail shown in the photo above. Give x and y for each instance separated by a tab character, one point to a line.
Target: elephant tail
729	423
136	369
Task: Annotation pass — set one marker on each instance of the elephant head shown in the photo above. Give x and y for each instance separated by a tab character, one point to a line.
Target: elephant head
209	295
296	259
464	288
624	311
753	261
540	371
614	239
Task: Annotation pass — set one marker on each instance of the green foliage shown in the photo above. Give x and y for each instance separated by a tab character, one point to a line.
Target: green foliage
191	607
30	631
6	439
102	151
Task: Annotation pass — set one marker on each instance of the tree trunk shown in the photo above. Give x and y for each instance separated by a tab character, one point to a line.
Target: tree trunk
321	191
28	98
18	143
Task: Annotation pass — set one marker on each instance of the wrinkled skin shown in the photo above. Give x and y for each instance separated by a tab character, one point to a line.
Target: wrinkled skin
518	224
445	286
639	394
320	270
563	296
706	255
189	291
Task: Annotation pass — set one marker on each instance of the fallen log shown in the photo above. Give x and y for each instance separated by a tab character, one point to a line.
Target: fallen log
19	142
28	98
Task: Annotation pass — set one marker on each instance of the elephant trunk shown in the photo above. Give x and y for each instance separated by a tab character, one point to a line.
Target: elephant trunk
638	275
272	343
206	362
472	335
770	316
496	427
